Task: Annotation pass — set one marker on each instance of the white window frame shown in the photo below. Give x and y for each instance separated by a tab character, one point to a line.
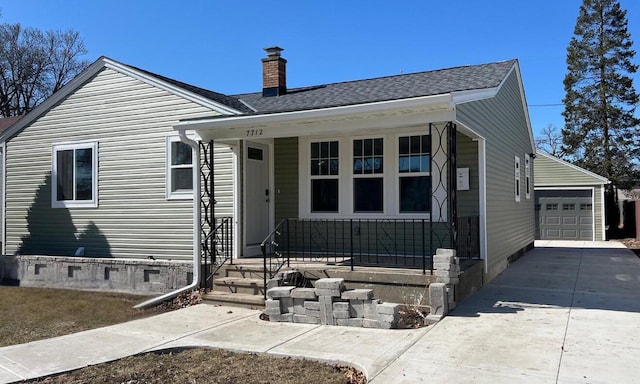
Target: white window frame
184	194
390	175
516	181
354	176
400	175
324	177
527	176
57	147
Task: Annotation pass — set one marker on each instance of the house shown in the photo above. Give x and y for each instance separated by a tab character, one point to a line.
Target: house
339	162
378	170
570	201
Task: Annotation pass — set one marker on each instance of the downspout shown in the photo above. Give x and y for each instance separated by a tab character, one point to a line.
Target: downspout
196	229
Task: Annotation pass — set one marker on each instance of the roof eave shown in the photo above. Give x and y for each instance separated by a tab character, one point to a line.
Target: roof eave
444	100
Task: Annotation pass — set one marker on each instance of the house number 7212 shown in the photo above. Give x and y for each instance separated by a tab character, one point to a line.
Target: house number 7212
254	132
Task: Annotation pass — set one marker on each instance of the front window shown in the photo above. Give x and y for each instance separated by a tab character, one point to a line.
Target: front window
325	167
368	182
414	159
179	169
74	175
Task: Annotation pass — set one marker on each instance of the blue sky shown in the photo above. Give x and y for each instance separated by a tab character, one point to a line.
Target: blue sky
218	44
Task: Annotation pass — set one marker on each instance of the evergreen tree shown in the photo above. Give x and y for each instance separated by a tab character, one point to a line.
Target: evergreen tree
601	131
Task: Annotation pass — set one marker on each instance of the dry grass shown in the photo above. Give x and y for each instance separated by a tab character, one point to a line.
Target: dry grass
202	366
29	314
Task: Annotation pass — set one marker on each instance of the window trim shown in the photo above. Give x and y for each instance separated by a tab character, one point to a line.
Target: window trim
57	147
527	176
390	175
324	177
399	175
516	181
182	194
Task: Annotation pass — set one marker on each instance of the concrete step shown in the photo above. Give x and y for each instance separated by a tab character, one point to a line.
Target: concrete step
250	272
244	285
234	299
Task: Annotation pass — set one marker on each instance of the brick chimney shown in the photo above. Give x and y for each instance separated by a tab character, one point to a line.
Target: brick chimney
274	73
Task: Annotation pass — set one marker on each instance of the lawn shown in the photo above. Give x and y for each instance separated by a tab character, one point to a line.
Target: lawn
29	314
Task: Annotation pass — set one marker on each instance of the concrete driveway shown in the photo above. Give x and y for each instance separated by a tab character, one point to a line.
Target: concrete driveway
567	314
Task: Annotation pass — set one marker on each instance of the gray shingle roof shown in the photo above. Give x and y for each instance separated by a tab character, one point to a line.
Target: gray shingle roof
411	85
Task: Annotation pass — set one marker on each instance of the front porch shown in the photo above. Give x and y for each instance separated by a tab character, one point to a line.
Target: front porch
383	192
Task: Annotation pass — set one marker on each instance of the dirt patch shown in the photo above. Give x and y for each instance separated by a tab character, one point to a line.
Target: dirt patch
633	244
29	314
208	366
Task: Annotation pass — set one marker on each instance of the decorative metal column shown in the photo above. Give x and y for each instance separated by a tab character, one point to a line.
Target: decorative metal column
443	207
207	205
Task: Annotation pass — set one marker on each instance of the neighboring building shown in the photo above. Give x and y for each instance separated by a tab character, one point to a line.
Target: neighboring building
569	201
99	164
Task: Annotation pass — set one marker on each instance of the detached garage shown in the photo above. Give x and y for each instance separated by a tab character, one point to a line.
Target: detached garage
569	201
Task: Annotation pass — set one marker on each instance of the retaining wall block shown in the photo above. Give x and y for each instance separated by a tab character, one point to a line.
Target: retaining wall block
313	313
326	310
304	293
283	318
341	314
341	306
358	294
370	323
330	283
298	306
286	305
438	299
350	322
371	309
446	267
304	319
328	292
446	252
356	308
312	305
278	292
445	273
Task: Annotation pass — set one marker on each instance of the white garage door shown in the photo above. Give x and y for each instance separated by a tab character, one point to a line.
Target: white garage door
564	215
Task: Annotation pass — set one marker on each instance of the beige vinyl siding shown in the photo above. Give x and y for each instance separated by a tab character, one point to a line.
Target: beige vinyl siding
286	178
130	121
502	122
551	173
467	157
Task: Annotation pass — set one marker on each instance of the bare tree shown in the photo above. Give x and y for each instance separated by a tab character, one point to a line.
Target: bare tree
550	141
33	65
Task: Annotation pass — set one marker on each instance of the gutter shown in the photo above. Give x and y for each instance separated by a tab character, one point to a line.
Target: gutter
196	230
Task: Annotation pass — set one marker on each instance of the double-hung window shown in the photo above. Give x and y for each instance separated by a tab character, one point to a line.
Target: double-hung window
414	159
74	175
368	179
179	169
325	169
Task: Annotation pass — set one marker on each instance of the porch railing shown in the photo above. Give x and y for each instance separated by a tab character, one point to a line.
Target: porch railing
405	243
217	249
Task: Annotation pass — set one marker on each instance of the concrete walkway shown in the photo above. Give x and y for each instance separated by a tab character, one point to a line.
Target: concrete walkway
557	315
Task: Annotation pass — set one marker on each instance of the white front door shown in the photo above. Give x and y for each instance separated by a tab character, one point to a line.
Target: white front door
257	196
